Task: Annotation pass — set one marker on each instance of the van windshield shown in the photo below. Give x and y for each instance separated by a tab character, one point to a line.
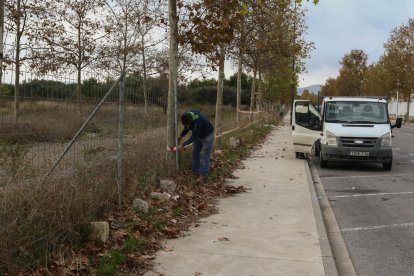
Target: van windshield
356	112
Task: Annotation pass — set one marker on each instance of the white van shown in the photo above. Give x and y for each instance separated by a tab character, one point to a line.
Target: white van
346	129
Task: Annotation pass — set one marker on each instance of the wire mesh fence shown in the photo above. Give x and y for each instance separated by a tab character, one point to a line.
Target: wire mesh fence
82	186
49	116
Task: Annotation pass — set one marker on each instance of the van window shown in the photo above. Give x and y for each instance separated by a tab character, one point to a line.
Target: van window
302	117
356	112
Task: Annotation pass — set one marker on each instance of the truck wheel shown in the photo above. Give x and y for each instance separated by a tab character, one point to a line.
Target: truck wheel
322	163
387	166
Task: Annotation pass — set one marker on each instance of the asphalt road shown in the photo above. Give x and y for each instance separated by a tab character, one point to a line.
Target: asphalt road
375	209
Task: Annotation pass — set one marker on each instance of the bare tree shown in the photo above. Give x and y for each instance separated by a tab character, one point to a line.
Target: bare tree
140	20
67	33
17	16
122	43
150	15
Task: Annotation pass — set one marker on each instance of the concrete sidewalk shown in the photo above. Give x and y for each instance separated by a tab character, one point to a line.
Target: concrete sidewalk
275	228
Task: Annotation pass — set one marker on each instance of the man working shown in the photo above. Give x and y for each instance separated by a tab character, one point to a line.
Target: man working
202	137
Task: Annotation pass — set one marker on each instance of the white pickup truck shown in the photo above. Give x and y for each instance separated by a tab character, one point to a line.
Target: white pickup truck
346	129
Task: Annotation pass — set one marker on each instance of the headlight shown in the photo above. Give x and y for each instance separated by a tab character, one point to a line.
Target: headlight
331	139
386	140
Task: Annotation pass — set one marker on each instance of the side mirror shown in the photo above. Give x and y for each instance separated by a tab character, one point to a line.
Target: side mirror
398	123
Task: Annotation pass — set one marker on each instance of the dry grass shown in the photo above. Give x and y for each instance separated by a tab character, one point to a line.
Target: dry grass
46	214
36	217
56	121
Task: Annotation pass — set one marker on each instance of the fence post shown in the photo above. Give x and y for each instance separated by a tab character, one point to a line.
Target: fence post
121	123
177	163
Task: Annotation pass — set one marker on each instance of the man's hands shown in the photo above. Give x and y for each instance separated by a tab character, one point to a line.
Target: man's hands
179	148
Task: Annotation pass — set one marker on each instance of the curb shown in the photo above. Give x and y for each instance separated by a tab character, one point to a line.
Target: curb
342	261
327	256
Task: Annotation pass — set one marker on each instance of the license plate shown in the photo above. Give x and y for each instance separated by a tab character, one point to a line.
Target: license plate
359	153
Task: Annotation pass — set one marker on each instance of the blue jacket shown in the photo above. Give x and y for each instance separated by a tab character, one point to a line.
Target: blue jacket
200	127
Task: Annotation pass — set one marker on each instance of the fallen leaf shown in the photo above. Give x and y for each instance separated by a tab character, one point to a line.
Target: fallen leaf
119	234
171	233
147	257
223	239
202	206
168	248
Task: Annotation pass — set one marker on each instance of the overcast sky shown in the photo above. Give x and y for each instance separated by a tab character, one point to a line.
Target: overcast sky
338	26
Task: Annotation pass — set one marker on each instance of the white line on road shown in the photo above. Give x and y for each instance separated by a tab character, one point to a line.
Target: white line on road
409	134
366	176
376	194
377	227
397	148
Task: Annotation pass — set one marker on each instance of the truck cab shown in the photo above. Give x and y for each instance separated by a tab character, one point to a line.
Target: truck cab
355	129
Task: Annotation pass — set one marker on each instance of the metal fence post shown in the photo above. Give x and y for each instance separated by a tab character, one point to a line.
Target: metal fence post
121	130
177	164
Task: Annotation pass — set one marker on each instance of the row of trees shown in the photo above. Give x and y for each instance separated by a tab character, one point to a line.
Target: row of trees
393	73
92	90
69	36
264	38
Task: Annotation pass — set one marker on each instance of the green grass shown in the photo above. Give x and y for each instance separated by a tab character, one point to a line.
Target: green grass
133	245
109	264
177	211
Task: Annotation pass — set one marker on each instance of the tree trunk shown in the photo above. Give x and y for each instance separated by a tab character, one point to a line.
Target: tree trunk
172	79
17	81
253	91
293	84
259	93
78	90
408	109
238	101
144	83
1	41
17	75
79	68
219	102
292	93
